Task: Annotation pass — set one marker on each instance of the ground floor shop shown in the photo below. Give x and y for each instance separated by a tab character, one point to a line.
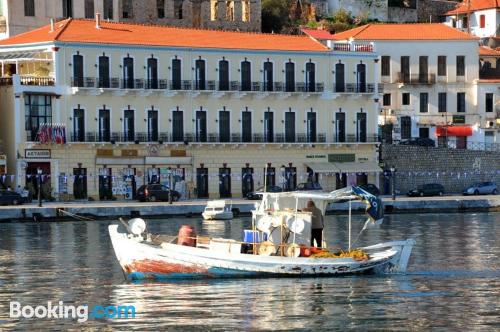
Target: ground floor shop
106	172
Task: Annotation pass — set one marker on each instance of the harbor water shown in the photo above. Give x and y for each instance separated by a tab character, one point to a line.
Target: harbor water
453	281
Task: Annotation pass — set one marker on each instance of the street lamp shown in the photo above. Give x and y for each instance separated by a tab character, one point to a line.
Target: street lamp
170	185
393	178
283	178
39	180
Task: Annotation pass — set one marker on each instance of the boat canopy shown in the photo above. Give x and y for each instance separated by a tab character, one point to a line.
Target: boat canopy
298	200
216	204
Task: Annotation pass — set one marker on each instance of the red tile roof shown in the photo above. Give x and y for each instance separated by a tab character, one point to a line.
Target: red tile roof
475	5
84	31
488	51
318	33
419	31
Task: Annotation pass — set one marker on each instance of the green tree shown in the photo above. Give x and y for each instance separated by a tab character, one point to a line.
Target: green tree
275	15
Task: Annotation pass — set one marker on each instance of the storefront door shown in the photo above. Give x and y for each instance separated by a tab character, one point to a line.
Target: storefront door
202	182
246	180
32	179
105	184
80	183
225	182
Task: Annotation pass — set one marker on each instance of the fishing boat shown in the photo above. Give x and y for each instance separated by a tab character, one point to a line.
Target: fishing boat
218	210
276	246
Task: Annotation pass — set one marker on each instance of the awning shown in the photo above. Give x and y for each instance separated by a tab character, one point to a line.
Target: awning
22	56
454	131
346	167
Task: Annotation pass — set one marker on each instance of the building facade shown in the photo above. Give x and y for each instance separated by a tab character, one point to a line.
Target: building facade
215	114
25	15
479	17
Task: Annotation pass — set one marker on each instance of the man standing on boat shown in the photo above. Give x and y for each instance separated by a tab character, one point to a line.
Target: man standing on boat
317	223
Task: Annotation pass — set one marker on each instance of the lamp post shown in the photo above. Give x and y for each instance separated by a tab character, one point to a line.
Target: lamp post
170	185
39	181
393	180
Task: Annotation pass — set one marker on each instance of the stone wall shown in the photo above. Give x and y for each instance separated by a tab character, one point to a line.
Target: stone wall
431	10
454	169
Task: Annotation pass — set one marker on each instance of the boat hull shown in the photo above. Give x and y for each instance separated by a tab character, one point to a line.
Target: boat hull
141	260
218	216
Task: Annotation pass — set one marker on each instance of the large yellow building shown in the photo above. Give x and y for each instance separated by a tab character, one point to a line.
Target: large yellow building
102	108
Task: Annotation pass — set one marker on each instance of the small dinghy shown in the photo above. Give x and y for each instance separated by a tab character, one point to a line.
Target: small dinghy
218	210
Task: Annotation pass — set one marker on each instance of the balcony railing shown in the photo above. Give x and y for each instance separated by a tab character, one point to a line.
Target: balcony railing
353	47
416	78
354	88
167	137
35	80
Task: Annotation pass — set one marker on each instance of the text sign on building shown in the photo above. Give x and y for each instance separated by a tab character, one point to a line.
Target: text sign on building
316	156
341	157
37	153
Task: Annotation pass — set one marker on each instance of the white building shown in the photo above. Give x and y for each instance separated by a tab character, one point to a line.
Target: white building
224	111
430	83
479	17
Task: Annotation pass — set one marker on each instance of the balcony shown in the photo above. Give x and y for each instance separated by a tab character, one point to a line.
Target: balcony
353	47
405	78
354	88
29	80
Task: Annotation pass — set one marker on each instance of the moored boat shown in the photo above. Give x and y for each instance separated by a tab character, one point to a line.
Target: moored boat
282	254
218	210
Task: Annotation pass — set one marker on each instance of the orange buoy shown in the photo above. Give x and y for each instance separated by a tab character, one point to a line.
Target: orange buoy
186	236
305	251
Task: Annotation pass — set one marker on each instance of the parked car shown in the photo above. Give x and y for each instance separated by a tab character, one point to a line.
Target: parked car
271	189
371	188
419	141
10	198
481	188
428	189
308	186
156	192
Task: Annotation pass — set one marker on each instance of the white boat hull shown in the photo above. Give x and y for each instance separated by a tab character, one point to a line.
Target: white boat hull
143	260
226	215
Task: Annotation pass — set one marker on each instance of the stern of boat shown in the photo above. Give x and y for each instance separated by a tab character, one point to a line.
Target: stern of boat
399	261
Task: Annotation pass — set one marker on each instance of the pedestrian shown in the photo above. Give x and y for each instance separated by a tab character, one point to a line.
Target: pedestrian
317	223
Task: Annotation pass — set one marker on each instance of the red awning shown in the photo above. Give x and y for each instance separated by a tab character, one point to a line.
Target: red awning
454	131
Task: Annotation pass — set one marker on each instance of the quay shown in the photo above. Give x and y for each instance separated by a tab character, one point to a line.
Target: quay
52	211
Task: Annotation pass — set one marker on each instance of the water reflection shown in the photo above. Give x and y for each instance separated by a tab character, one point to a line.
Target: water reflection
455	265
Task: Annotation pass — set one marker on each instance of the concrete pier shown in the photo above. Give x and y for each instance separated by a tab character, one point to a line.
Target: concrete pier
113	209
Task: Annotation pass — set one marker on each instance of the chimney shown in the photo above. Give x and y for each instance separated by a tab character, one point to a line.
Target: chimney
97	20
52	28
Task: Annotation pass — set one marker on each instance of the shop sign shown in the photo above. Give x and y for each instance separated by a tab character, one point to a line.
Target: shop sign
37	153
316	156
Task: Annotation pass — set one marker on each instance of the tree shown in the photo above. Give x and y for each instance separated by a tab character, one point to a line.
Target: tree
275	15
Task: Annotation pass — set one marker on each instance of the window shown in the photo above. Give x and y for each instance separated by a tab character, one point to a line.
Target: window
339	127
178	9
246	80
127	11
37	110
482	21
489	102
423	69
268	76
104	125
405	98
128	126
152	125
442	65
103	71
78	70
442	97
160	8
405	127
310	77
78	125
460	65
223	75
201	126
245	11
290	127
289	77
67	8
176	74
246	126
89	8
361	77
386	99
152	82
339	78
461	102
29	7
108	9
424	102
311	127
199	71
405	69
230	10
386	65
224	126
268	126
361	127
128	73
177	126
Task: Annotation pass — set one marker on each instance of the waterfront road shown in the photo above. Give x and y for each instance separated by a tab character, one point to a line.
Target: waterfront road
196	206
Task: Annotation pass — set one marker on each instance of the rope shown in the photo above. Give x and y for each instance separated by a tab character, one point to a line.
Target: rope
77	217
